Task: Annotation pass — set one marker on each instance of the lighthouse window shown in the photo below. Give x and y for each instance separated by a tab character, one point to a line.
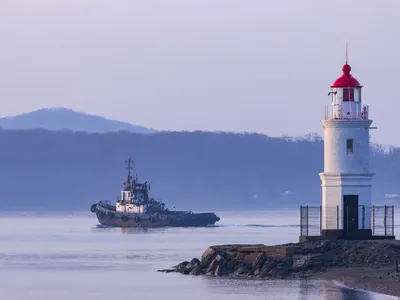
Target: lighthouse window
348	94
350	145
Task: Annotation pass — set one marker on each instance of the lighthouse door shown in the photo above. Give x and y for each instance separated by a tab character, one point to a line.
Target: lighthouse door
350	215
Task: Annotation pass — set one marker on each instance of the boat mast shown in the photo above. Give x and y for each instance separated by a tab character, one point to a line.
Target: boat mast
129	166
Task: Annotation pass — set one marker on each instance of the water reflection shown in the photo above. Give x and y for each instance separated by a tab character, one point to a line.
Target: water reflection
127	230
305	288
335	292
287	289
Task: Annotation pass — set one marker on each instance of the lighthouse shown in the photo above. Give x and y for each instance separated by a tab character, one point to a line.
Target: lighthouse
347	179
346	210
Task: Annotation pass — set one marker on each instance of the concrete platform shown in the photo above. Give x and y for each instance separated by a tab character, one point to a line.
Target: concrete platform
350	238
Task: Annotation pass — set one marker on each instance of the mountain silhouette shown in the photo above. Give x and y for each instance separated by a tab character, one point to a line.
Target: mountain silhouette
68	119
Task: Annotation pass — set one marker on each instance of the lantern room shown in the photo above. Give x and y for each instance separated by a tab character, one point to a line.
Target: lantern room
346	98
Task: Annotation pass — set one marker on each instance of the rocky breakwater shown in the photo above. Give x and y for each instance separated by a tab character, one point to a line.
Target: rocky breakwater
293	260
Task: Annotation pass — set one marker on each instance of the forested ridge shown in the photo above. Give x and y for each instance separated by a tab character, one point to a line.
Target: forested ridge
51	170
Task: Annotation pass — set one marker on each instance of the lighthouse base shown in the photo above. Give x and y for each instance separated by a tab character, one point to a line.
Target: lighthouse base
314	218
341	234
362	234
332	238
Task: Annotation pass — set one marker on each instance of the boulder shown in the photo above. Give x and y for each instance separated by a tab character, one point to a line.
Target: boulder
220	259
280	271
270	263
196	270
211	268
181	267
242	268
295	258
251	257
259	261
231	254
231	265
167	270
220	271
302	263
192	263
208	256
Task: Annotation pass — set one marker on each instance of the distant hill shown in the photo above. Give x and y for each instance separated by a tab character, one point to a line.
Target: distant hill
48	170
68	119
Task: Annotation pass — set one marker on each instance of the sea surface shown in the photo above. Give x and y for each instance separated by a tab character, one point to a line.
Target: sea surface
67	256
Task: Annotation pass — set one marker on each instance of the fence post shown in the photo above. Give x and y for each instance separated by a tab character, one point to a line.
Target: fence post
320	220
307	220
363	217
373	219
301	220
337	217
393	220
384	219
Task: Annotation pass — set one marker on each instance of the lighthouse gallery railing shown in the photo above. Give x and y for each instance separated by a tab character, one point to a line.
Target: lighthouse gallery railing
381	217
335	112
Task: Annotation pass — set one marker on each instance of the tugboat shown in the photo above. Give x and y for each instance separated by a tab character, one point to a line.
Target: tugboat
136	208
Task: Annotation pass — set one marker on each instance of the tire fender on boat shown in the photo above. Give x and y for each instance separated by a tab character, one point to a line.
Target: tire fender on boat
151	219
93	208
136	218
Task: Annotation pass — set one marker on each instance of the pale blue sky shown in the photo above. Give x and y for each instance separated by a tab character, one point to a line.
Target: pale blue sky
250	65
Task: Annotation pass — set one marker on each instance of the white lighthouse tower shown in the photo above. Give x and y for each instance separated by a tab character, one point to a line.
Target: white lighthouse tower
346	180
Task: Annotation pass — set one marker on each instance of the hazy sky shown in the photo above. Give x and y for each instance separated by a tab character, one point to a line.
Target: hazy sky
250	65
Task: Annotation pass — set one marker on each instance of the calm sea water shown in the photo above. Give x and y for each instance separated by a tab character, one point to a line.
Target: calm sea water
66	256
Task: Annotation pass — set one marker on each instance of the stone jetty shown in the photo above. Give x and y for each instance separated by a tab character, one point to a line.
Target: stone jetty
299	260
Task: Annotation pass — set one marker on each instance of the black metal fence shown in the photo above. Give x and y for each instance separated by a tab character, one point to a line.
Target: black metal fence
379	218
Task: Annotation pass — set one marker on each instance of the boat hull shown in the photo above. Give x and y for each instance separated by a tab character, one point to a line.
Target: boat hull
107	216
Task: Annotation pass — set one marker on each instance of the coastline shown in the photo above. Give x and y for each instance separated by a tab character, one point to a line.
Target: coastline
361	265
364	279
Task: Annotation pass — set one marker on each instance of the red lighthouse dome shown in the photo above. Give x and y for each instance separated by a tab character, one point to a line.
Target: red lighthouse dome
346	80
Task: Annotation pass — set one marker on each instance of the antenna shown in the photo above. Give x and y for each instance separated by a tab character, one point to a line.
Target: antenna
129	166
347	53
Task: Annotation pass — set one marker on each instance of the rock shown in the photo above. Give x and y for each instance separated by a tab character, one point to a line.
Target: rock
240	256
196	270
211	268
256	272
259	262
192	263
251	257
231	265
208	256
269	264
231	254
263	273
220	260
220	271
181	267
295	258
280	271
303	263
167	270
195	261
243	268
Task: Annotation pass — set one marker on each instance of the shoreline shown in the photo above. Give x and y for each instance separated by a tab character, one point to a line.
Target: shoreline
362	265
363	279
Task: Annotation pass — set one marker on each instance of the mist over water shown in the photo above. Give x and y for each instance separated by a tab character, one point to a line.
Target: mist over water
67	256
